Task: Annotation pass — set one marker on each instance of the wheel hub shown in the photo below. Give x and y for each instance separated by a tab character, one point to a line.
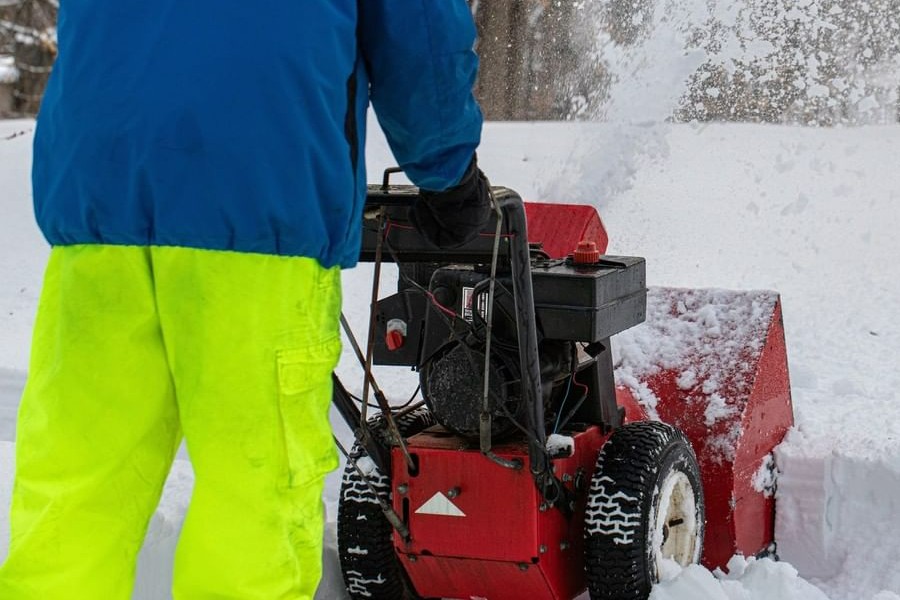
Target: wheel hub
676	534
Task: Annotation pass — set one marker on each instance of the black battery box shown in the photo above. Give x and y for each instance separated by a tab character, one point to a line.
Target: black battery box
579	303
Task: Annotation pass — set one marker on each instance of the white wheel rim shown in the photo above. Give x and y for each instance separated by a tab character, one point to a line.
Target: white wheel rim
676	530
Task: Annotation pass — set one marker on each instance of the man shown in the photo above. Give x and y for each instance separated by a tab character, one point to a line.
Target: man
198	172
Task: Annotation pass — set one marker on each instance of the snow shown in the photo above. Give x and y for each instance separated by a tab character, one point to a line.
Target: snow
710	333
809	213
8	71
560	445
766	478
747	579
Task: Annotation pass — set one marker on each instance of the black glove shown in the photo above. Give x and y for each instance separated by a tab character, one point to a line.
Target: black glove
456	216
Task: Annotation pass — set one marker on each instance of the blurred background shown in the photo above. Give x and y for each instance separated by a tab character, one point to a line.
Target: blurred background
810	62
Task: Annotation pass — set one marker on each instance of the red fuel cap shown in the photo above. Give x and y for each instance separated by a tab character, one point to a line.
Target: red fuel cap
586	253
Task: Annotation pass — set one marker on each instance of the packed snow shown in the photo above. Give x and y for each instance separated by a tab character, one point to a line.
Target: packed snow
809	213
560	445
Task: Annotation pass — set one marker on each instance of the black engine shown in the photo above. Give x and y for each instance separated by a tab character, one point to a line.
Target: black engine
444	308
453	354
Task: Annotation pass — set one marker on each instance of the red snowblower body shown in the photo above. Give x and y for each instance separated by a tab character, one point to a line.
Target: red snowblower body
539	464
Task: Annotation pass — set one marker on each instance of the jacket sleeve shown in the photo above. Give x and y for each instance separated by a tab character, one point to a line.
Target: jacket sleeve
421	65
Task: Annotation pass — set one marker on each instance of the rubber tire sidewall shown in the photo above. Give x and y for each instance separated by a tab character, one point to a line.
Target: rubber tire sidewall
623	501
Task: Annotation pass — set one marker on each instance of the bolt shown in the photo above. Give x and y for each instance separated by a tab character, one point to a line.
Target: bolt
402	488
580	480
564	545
412	558
453	493
542	549
523	566
544	507
567	478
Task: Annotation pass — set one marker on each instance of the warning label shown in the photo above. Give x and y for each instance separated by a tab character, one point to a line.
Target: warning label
440	505
467	300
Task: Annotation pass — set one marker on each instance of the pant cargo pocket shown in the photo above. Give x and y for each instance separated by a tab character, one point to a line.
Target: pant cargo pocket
304	396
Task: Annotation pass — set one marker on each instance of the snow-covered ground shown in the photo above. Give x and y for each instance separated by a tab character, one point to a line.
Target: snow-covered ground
811	213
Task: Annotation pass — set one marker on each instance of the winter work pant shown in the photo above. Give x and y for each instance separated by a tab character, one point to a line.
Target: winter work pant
134	346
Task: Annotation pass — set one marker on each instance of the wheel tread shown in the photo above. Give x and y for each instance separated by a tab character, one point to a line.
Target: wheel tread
369	563
616	530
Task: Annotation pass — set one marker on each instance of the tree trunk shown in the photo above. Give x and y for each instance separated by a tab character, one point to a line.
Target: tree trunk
526	54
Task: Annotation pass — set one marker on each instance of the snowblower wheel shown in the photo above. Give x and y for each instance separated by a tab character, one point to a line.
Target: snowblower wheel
645	511
369	563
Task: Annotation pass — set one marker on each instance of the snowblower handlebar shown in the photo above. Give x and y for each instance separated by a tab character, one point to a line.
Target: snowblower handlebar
404	244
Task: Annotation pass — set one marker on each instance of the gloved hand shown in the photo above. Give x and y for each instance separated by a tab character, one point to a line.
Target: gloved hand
456	216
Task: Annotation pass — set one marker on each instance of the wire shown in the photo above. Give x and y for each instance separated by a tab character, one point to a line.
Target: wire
412	282
582	386
562	404
406	404
411	398
578	403
447	311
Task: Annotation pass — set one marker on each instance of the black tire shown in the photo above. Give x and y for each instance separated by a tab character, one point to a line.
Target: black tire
645	505
369	564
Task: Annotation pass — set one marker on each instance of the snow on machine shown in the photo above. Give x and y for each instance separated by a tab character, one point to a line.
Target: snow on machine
526	472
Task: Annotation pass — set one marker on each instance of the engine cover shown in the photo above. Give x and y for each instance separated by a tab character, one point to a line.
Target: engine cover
453	385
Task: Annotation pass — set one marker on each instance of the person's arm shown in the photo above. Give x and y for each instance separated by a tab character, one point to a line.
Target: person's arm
422	67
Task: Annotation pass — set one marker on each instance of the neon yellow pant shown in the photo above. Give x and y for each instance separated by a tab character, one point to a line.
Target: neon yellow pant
134	346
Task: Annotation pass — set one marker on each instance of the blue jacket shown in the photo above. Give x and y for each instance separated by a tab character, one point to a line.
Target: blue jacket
229	125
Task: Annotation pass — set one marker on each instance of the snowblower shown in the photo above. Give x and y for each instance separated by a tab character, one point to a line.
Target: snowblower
526	472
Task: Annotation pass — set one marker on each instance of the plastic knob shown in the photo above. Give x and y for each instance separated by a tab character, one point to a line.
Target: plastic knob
586	253
395	335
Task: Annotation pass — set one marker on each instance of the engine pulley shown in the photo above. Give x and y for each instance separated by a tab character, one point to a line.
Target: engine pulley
453	384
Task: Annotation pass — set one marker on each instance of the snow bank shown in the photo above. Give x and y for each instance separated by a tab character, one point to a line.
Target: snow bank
838	517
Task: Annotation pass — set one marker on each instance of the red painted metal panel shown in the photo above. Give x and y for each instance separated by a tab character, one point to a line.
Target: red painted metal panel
562	536
463	578
766	420
756	402
498	504
559	227
506	545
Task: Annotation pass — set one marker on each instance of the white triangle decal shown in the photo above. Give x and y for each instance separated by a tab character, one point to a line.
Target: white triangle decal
439	504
